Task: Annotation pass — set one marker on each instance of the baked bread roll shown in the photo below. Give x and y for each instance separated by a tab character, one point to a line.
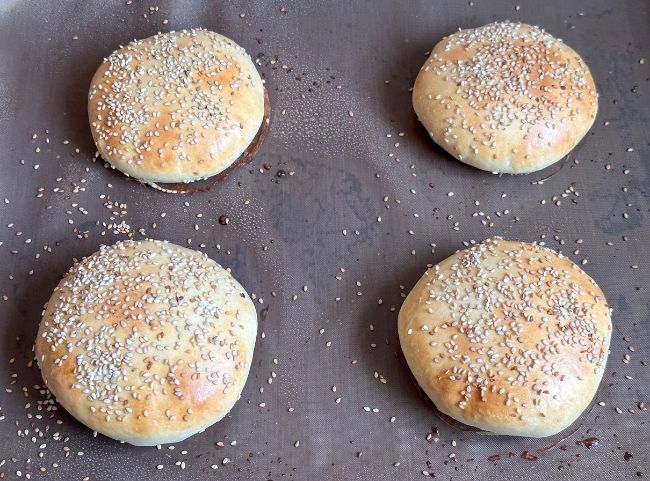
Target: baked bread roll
147	342
176	107
508	337
506	97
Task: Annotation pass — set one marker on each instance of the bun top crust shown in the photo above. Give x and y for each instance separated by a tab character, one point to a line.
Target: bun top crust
175	107
505	97
147	342
508	337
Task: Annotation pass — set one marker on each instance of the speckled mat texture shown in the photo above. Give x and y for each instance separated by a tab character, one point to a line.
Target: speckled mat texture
329	227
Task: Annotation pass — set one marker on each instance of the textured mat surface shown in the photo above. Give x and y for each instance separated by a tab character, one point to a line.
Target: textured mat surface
344	150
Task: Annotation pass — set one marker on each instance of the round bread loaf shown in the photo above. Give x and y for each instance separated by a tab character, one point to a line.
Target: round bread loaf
506	97
147	342
508	337
176	107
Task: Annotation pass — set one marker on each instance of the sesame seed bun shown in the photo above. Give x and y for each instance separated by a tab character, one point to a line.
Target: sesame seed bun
147	342
505	97
176	107
508	337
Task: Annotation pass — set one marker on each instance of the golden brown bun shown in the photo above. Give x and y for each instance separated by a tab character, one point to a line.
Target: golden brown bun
175	107
247	156
508	337
147	342
505	97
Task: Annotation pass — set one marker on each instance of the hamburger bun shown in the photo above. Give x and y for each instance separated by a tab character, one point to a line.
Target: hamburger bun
505	97
147	342
177	107
508	337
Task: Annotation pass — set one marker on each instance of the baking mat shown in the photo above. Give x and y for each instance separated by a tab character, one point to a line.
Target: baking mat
346	184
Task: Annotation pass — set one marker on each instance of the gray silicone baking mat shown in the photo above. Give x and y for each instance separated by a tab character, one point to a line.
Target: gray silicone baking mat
344	150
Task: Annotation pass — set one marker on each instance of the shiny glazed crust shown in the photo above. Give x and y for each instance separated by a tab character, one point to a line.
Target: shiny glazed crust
505	97
147	342
175	107
509	337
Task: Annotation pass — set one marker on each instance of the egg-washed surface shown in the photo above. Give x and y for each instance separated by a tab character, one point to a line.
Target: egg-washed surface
246	157
506	97
508	337
147	342
176	107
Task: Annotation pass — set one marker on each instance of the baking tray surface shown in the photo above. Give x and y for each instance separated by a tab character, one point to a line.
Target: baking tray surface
330	395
